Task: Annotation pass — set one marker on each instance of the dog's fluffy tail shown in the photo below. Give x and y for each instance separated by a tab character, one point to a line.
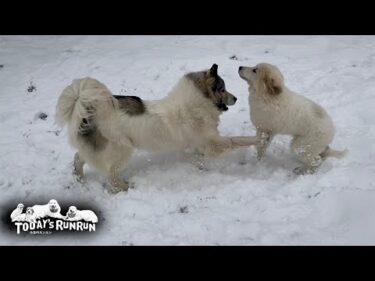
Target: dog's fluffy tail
80	100
329	152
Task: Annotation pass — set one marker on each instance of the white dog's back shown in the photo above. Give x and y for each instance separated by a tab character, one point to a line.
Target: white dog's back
87	215
290	114
40	211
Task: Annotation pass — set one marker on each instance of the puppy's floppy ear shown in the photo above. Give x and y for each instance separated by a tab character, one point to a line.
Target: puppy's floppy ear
213	70
273	87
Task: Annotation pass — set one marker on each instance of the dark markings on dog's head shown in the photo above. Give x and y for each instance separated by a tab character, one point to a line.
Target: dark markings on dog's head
131	105
90	134
72	212
273	86
213	70
265	78
269	76
212	87
29	211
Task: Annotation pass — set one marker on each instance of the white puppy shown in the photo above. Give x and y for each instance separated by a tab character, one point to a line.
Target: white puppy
274	109
75	215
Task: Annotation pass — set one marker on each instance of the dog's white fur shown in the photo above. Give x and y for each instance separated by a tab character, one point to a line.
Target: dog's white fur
74	214
182	120
20	217
30	215
16	212
41	211
274	109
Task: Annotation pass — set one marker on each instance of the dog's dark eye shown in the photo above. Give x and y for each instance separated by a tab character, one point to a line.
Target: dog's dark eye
255	70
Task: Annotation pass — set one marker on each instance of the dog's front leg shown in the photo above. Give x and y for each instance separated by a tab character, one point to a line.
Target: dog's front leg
242	141
221	145
118	184
78	167
119	163
198	160
265	139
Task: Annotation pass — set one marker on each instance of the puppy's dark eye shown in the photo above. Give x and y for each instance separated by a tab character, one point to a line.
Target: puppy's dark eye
255	70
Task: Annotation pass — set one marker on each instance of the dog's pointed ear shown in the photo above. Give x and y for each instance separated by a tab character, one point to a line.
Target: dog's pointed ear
273	87
213	70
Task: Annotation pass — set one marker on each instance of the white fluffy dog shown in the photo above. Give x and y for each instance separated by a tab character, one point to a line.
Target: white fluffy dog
30	215
274	109
52	209
20	217
105	129
74	214
16	212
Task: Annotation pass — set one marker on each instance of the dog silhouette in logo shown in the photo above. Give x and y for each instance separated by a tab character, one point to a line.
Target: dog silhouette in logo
30	215
74	214
52	209
17	212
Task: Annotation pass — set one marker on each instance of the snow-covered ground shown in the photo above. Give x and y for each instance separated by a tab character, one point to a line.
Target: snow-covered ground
238	201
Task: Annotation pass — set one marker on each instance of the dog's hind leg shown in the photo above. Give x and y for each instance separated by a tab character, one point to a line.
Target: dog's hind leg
265	139
221	145
78	167
308	154
117	182
241	141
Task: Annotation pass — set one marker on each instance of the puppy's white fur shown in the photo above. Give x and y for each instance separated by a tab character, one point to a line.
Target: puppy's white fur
275	109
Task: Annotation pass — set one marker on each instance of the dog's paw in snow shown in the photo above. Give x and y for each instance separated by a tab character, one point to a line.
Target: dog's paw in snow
304	171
